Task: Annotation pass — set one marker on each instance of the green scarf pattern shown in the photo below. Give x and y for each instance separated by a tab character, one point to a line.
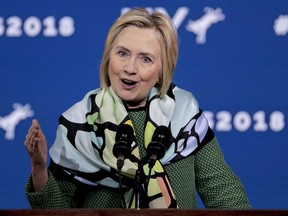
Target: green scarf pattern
86	136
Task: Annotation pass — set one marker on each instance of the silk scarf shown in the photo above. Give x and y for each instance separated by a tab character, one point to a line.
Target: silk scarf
86	136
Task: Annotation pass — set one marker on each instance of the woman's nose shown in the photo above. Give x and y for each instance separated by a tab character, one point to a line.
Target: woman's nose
131	66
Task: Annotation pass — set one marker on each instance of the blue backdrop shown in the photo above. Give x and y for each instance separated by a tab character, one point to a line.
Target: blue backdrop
233	58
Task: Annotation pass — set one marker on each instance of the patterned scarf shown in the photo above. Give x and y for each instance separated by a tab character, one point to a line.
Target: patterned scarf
86	136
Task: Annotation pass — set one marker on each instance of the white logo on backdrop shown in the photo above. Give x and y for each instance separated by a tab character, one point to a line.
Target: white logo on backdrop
8	123
198	27
281	25
177	18
201	26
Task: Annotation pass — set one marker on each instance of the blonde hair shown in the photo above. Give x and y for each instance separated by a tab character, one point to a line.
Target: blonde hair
168	39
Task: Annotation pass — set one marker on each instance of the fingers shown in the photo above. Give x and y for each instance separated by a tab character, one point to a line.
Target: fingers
36	124
33	135
38	130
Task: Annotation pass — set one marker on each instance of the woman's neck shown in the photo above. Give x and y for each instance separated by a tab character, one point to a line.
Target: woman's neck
135	105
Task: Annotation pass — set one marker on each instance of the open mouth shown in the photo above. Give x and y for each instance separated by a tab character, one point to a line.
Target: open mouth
128	82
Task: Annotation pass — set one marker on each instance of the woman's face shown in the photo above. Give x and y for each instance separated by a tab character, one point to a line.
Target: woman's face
135	64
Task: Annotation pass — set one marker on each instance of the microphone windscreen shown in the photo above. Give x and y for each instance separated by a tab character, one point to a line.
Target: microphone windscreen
162	134
124	131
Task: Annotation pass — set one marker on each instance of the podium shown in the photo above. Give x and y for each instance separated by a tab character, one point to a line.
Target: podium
141	212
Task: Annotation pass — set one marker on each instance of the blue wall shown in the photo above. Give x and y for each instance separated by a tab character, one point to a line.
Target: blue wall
50	52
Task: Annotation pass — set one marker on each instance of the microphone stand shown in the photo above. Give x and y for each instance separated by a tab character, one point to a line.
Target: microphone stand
120	163
140	195
138	191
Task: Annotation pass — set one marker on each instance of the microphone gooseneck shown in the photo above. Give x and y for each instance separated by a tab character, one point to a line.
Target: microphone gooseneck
156	149
160	142
122	150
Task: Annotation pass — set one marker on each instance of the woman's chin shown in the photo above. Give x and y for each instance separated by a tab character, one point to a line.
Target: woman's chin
134	104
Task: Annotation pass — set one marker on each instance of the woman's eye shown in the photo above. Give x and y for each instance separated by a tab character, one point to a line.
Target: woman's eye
146	59
122	53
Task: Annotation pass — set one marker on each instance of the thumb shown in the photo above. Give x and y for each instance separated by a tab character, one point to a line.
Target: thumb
36	124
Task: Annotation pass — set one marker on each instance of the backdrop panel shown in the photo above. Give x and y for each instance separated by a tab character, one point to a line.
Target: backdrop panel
233	58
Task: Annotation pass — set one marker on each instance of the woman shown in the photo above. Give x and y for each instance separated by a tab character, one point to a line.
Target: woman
140	55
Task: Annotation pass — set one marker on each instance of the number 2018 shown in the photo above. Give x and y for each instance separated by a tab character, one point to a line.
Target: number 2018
14	26
224	121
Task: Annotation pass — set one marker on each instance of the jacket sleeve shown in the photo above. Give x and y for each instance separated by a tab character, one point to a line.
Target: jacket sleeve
55	194
216	183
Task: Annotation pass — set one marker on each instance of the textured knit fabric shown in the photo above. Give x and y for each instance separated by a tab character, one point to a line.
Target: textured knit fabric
215	182
138	118
206	171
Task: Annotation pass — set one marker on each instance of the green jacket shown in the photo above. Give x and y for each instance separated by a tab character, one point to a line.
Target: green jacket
205	172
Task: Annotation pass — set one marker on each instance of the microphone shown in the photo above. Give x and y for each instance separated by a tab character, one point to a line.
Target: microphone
122	147
160	141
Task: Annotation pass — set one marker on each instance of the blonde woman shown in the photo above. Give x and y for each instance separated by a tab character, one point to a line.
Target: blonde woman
136	90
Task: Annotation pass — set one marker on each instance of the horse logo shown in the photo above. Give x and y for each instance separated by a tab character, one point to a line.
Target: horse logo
8	123
201	26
